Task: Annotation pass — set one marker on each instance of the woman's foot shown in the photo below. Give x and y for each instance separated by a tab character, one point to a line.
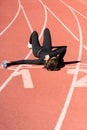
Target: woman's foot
29	45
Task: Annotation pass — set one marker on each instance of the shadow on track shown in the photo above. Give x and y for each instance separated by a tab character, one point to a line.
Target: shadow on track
63	64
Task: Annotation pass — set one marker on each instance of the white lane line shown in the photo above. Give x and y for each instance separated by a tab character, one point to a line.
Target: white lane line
63	24
69	96
13	20
27	56
85	47
85	17
83	2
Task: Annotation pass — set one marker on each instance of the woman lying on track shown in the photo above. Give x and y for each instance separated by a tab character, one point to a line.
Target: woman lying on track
46	55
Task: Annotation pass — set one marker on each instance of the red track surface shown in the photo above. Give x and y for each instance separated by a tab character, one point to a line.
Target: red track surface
32	98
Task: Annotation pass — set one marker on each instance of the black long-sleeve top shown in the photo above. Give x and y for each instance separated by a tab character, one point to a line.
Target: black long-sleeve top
41	56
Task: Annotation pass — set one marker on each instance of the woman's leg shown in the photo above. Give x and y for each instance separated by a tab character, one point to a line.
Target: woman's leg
35	43
47	39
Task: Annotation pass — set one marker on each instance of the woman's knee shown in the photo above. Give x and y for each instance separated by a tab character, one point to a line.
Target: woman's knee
46	30
34	34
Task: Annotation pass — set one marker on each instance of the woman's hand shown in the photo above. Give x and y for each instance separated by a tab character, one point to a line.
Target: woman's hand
47	57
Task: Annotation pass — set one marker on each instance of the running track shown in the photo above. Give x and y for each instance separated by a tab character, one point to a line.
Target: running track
32	98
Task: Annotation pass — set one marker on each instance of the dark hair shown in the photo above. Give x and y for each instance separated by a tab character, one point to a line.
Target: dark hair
52	64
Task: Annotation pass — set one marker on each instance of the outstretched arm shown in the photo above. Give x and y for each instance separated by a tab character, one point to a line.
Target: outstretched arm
36	61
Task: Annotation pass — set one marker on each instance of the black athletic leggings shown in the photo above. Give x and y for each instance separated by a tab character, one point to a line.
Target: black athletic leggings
36	44
46	43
